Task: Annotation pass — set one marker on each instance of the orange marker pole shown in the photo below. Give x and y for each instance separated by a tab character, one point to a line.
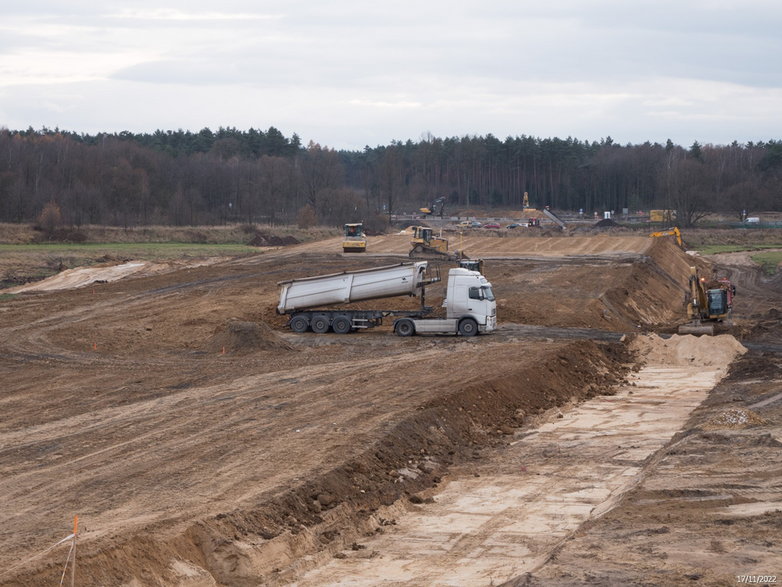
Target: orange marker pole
75	533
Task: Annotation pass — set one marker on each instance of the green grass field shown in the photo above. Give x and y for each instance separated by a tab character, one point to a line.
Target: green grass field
769	261
733	248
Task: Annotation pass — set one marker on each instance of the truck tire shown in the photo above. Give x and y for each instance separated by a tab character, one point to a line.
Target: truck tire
299	324
468	327
341	325
320	324
405	328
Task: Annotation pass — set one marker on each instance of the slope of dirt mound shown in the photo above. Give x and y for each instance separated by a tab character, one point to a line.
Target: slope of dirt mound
105	273
605	223
287	496
244	337
629	294
652	295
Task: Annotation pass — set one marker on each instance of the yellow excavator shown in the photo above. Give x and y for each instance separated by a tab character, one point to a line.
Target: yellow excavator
675	232
708	302
355	240
436	208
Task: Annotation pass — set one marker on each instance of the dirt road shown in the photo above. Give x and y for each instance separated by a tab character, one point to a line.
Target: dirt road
202	443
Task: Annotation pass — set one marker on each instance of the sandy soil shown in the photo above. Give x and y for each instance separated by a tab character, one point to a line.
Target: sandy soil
202	443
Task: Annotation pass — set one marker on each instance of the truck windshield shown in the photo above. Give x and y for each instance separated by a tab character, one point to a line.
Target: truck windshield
488	293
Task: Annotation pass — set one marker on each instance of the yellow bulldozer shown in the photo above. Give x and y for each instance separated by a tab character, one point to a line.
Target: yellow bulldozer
425	245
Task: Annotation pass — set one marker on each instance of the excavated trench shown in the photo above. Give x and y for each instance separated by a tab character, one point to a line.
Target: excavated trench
506	516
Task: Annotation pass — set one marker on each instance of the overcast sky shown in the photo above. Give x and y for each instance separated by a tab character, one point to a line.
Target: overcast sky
347	74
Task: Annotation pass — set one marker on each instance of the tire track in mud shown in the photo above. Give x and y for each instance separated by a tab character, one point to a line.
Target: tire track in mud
59	459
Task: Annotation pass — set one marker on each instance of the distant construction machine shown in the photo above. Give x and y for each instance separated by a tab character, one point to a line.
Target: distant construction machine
675	232
554	218
708	302
436	208
355	240
425	245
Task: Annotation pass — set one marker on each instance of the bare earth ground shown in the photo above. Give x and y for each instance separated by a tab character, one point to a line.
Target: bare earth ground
201	443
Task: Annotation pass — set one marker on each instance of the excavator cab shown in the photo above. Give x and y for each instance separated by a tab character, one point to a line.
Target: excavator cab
718	302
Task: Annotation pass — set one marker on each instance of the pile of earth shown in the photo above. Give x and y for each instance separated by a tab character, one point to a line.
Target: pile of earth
606	223
240	336
262	239
688	349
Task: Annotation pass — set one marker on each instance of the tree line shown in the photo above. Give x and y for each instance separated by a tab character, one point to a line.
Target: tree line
229	175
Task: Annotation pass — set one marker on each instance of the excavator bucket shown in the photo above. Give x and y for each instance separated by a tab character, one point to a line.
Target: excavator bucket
697	329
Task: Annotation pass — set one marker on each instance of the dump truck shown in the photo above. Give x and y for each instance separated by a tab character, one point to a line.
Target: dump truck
708	302
310	302
554	218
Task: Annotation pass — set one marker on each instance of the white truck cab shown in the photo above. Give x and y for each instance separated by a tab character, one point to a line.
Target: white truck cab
470	308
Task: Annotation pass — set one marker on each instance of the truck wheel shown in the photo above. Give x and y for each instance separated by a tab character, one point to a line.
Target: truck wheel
320	324
300	324
405	328
468	327
341	325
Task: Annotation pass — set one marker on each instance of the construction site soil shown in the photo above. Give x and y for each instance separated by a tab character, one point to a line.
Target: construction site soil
200	442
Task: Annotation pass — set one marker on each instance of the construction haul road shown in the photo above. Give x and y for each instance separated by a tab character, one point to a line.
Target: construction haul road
202	443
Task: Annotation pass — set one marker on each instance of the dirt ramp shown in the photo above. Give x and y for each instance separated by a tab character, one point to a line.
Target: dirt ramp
688	350
239	336
652	293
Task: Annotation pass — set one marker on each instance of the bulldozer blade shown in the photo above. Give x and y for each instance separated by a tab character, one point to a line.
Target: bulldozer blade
697	329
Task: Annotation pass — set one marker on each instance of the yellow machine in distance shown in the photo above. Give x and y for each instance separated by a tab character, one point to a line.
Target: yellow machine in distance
662	215
355	240
424	243
675	232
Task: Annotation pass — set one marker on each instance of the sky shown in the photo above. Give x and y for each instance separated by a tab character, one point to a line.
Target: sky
349	74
